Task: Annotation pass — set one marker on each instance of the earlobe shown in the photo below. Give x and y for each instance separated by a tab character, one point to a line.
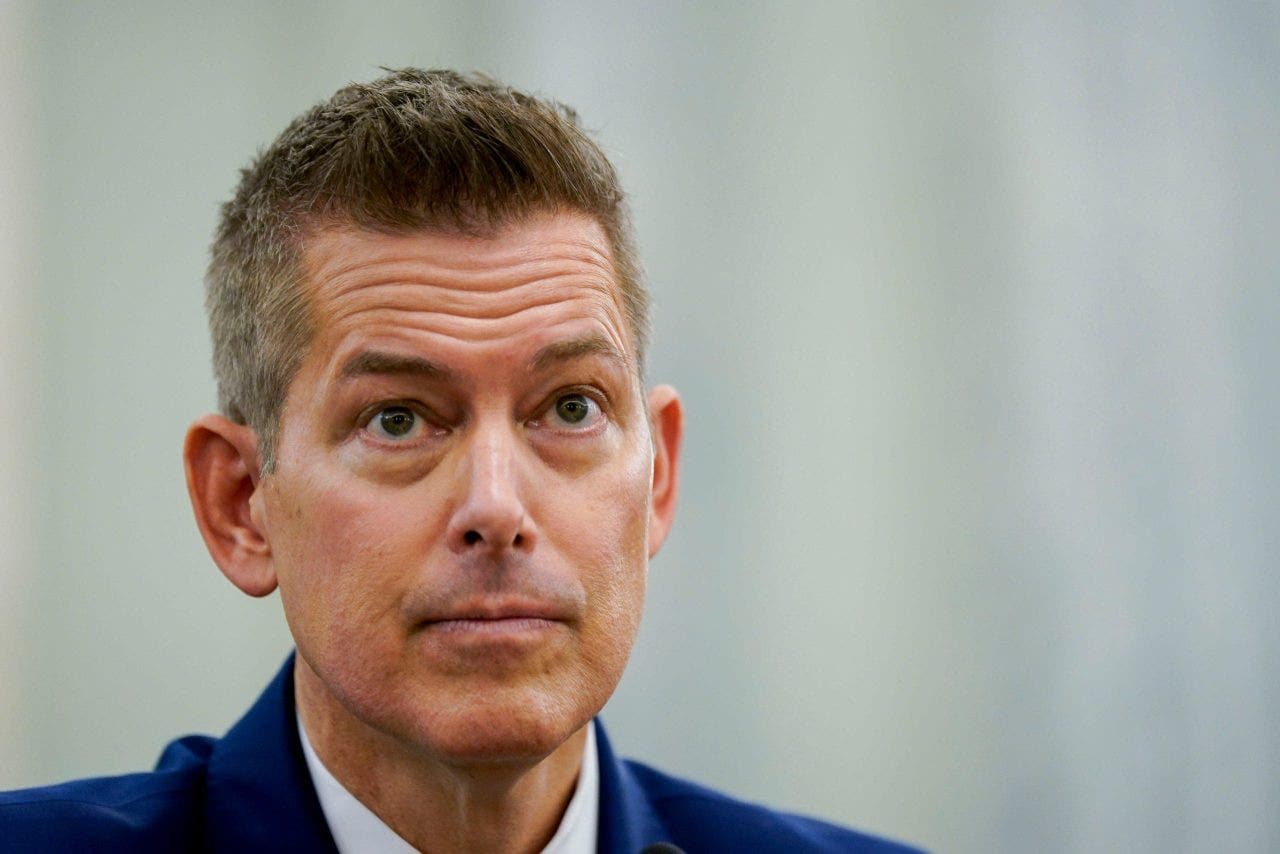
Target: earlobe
221	462
666	423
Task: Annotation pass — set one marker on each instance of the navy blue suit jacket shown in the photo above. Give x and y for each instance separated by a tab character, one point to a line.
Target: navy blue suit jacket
250	791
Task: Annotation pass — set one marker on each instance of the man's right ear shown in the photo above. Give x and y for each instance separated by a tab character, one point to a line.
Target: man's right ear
223	476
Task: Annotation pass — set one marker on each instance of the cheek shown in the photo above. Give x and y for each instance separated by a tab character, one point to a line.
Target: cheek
335	553
608	542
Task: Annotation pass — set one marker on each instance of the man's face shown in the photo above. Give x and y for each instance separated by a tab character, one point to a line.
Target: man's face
459	515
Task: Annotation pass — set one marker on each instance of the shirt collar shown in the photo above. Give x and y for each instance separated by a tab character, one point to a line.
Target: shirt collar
357	830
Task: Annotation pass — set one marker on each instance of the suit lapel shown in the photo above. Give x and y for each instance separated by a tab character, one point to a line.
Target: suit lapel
628	821
260	796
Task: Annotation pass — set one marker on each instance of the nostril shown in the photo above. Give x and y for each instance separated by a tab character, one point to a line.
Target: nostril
519	540
472	537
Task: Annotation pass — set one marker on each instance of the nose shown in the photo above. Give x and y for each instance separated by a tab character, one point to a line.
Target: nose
490	516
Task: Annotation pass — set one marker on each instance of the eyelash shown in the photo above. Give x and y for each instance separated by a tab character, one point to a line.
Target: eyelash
366	419
429	421
598	398
594	392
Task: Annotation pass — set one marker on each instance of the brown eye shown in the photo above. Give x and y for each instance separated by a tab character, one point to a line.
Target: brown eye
395	422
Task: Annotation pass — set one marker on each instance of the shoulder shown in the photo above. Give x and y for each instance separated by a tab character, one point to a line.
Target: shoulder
702	819
156	811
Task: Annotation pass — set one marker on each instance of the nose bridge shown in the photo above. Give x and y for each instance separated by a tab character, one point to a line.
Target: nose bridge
490	511
491	463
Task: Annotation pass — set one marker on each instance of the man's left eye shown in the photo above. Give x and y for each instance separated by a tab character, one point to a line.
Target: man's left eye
574	410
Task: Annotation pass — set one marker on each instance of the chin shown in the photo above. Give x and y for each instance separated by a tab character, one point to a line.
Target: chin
500	726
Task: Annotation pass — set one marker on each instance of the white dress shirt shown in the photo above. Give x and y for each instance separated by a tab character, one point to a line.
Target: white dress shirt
357	830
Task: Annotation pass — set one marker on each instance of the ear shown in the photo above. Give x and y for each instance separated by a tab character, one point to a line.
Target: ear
221	461
666	424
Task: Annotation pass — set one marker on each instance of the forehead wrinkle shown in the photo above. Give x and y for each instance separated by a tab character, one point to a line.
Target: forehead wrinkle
352	326
414	304
442	302
479	278
445	284
326	261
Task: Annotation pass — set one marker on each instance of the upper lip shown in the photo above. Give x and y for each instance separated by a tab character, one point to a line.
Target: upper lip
503	608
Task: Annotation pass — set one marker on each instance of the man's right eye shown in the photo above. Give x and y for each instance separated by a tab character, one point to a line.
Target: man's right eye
396	424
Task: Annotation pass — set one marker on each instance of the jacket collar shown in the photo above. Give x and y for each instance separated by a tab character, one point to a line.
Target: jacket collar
260	796
628	821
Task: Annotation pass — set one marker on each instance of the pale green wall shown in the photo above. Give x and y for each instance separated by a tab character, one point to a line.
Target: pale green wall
975	311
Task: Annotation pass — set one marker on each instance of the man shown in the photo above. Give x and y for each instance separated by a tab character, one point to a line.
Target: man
429	332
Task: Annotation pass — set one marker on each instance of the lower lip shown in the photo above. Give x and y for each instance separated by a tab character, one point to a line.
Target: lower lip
512	628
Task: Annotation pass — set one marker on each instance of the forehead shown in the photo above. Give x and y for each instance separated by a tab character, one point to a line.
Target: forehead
527	282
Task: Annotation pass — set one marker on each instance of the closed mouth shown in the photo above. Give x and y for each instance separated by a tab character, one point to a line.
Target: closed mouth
493	625
509	612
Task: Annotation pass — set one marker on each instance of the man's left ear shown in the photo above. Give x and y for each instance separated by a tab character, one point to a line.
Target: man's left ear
666	423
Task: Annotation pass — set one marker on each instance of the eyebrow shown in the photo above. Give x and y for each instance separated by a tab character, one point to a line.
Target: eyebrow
575	348
378	362
374	362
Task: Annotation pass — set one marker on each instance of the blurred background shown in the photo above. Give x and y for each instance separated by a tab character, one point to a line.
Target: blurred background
976	312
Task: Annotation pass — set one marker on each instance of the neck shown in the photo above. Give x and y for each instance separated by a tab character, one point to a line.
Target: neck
433	803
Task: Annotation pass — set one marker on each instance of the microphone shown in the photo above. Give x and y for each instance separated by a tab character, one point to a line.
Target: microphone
661	848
